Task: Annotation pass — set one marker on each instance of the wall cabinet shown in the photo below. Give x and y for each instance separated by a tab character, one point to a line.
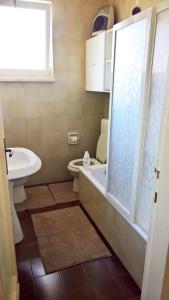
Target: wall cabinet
98	62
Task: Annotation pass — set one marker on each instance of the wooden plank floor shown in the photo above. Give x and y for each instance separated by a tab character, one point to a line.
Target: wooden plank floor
103	279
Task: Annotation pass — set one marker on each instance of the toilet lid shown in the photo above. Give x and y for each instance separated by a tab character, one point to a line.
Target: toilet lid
77	163
101	152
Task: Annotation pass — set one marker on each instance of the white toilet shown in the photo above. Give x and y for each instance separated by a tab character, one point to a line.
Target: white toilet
101	156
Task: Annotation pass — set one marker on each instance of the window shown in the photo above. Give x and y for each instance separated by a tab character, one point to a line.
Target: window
26	41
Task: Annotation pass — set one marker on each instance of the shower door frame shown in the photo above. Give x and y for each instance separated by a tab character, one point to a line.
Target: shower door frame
146	78
155	279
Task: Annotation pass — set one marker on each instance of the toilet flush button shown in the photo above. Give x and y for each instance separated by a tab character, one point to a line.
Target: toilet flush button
73	138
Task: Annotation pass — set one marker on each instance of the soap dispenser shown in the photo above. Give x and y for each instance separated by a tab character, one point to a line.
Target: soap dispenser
86	160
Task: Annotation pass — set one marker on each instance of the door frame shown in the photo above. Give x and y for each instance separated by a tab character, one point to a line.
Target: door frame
9	287
158	241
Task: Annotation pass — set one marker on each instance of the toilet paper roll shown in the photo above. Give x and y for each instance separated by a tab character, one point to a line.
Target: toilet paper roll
74	139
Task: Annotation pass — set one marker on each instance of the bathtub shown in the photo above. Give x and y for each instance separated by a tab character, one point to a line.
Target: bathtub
97	175
124	239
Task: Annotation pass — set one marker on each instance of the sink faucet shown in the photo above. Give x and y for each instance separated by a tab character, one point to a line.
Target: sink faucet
10	151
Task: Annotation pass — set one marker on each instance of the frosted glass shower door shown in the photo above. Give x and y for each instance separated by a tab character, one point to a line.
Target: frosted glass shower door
154	118
127	109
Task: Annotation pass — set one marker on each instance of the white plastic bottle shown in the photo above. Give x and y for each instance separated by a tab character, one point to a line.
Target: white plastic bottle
86	160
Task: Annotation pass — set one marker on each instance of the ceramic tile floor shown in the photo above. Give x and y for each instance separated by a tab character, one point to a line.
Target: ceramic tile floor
48	195
103	279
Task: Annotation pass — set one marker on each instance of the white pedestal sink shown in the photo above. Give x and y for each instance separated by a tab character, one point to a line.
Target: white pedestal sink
21	164
17	230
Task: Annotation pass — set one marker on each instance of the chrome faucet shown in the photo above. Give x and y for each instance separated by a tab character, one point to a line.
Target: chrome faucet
10	151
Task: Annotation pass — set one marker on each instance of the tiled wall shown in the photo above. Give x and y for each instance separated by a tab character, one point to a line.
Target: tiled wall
123	7
39	115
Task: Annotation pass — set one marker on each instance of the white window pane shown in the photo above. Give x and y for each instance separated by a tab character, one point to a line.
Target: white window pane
22	38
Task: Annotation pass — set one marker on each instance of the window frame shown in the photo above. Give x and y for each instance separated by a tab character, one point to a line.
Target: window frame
34	75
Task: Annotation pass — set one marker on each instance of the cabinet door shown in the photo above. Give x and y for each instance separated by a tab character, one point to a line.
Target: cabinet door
95	63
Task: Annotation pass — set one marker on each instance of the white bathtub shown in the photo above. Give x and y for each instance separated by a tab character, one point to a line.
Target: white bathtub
116	229
97	175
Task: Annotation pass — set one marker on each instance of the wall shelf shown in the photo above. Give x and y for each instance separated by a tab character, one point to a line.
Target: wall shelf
98	62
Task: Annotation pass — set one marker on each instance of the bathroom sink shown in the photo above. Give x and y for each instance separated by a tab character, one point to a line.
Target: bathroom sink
22	163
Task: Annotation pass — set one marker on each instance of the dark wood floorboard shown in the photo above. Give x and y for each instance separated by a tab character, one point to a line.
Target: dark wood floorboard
101	279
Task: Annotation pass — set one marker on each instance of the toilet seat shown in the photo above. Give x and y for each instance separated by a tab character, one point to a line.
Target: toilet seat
75	165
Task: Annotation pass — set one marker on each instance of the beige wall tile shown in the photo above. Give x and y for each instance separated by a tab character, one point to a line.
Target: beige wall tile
59	123
106	106
54	150
32	110
85	141
75	109
75	64
54	170
59	10
12	92
54	109
123	7
60	48
76	48
74	123
51	135
34	132
62	123
23	110
74	152
91	123
92	104
17	111
31	93
18	133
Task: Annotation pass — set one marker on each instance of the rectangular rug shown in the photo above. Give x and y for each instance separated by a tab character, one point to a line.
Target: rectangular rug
66	238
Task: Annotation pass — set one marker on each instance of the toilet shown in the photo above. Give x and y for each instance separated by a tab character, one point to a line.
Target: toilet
101	156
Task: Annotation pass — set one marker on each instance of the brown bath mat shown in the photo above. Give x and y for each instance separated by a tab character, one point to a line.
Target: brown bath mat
66	237
63	192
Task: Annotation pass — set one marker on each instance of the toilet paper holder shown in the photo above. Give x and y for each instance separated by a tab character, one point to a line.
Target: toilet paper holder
73	138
